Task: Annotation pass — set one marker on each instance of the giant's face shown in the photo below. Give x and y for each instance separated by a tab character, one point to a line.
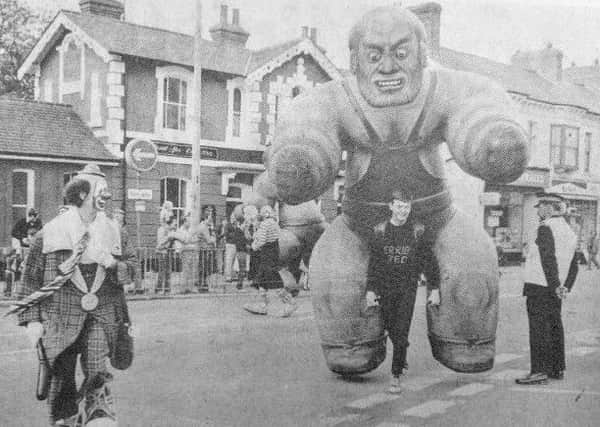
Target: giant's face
388	62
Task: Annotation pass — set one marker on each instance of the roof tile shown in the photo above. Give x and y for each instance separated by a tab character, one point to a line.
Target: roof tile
45	129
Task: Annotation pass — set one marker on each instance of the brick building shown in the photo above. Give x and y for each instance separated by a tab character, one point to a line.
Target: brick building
130	81
42	145
562	117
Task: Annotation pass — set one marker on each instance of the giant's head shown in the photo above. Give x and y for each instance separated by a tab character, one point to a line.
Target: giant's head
388	51
98	194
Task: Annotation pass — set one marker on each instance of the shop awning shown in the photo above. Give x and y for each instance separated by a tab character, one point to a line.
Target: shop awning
571	191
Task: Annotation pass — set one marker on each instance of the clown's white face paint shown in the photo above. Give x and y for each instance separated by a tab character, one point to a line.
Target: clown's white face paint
101	195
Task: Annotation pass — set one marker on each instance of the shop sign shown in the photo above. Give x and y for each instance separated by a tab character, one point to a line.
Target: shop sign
489	199
140	206
139	193
532	178
573	190
493	221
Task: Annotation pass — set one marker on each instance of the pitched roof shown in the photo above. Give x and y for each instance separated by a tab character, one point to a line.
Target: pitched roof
262	56
525	82
137	40
31	128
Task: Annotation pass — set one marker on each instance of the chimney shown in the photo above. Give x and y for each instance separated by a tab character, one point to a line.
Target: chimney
226	33
110	8
429	13
223	20
305	32
546	62
313	35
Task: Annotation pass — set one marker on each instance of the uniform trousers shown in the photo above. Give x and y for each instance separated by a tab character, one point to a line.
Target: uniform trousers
92	345
546	334
397	309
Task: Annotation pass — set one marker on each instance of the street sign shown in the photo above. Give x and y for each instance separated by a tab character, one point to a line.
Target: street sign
141	154
140	206
139	193
489	199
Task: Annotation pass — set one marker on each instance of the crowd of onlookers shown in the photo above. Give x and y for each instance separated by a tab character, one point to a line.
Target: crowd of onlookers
12	257
242	250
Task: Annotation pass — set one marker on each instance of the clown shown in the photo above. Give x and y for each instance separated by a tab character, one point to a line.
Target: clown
390	116
82	316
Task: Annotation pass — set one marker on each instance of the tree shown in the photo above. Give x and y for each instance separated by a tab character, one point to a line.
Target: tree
20	27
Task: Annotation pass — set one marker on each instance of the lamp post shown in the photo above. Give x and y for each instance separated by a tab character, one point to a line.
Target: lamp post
196	122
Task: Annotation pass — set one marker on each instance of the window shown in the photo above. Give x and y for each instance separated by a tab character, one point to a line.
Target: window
276	109
237	111
48	91
175	191
68	176
174	103
564	146
588	151
22	193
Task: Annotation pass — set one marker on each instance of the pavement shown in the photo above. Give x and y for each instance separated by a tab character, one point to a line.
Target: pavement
203	361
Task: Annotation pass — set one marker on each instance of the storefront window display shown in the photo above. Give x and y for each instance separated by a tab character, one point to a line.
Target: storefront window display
504	223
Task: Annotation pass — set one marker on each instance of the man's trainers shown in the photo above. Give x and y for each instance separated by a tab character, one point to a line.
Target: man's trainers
395	385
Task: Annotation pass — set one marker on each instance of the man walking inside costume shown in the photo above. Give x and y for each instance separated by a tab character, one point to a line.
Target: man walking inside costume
399	255
82	315
549	273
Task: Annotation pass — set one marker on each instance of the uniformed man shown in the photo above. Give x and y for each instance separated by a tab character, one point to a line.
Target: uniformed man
549	274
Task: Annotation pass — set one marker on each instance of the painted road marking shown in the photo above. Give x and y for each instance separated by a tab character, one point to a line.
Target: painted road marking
430	408
507	374
419	383
506	357
582	351
372	400
587	336
470	389
581	392
334	421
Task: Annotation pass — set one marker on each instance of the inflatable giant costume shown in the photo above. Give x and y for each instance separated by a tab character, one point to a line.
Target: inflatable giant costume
390	117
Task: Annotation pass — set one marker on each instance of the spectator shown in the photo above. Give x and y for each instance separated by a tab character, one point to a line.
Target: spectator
240	244
186	254
32	221
230	247
165	239
250	225
593	251
266	243
220	251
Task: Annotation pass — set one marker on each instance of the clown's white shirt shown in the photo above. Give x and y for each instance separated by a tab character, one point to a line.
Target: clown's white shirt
64	231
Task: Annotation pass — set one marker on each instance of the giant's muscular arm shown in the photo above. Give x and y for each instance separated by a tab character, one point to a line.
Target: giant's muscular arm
482	130
306	151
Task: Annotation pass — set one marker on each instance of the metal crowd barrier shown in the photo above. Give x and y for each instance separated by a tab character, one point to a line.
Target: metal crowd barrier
179	271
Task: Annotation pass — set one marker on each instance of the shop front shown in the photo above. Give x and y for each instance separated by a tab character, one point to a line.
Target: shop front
509	215
582	208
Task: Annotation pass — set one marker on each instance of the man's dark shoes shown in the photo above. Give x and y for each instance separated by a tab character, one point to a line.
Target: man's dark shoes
533	378
557	375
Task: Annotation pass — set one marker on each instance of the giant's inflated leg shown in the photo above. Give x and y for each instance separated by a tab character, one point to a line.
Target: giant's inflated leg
462	330
352	339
